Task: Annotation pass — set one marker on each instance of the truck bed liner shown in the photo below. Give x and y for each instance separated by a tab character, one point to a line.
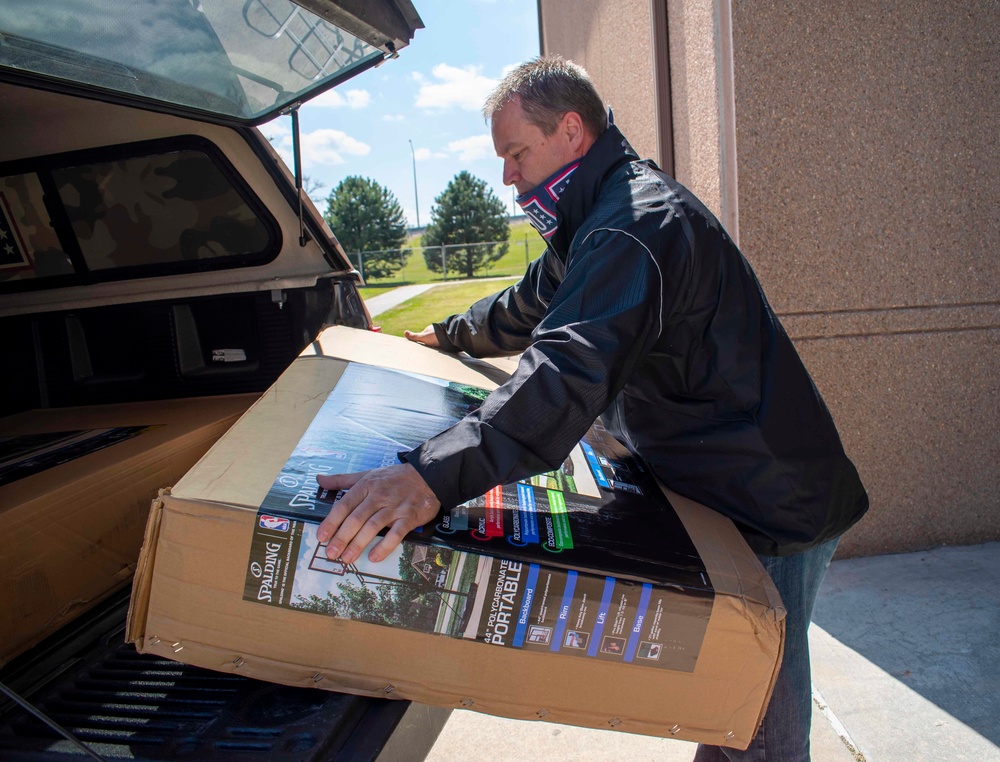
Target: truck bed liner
125	705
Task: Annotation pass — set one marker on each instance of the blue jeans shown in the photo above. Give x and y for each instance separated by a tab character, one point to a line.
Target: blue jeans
784	734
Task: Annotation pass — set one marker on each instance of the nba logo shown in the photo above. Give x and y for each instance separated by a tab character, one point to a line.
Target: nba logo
277	523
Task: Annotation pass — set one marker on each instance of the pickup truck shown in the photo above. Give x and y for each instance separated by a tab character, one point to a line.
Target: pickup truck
153	246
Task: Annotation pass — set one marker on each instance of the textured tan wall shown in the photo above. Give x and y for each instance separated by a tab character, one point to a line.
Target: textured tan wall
863	172
695	85
611	40
868	205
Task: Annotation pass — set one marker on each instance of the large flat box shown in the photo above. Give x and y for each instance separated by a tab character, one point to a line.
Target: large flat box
75	489
588	596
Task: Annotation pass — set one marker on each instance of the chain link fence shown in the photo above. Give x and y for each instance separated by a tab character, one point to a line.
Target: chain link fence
427	264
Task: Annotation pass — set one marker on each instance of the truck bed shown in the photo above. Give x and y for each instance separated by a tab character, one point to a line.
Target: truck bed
125	705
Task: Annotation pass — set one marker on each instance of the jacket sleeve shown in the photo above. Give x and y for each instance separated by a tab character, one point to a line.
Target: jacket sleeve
501	324
601	321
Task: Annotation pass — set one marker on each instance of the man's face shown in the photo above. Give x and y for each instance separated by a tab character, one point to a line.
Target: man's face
529	156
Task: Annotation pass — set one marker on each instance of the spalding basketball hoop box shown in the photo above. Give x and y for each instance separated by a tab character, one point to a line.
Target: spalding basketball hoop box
589	595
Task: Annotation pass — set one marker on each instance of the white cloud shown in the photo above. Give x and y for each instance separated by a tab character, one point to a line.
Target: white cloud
336	99
463	88
276	131
475	147
422	153
393	117
329	146
358	98
318	147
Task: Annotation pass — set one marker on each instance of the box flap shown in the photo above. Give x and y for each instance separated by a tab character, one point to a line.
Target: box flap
135	626
393	352
241	467
739	574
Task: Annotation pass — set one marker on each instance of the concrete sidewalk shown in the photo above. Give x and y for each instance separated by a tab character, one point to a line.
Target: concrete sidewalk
906	668
384	302
394	297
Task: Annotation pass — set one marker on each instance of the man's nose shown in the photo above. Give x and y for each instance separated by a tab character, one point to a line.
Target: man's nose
510	173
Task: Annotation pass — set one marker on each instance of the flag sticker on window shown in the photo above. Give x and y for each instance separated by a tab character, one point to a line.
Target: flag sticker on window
13	252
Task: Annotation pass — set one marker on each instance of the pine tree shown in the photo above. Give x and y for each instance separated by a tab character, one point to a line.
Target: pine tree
366	217
467	212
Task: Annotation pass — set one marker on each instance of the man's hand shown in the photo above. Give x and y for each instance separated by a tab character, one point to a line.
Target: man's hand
394	496
427	337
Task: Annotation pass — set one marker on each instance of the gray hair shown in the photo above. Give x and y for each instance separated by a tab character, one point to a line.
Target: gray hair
549	87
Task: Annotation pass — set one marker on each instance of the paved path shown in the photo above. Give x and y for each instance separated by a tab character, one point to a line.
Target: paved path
383	302
906	664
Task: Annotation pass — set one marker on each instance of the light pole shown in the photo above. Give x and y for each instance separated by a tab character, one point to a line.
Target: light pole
416	198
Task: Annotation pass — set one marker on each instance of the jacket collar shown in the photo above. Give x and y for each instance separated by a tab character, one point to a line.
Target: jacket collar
609	152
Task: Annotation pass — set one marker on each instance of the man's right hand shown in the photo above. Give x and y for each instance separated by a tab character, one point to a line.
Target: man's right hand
427	337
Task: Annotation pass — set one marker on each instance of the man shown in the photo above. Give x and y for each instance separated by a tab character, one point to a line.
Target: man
641	311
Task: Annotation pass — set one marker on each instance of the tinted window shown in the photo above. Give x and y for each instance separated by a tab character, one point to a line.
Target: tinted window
130	216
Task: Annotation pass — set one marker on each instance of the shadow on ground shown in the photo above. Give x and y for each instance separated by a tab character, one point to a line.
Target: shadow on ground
931	620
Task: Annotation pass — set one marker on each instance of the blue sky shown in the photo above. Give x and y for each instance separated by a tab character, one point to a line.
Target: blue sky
432	94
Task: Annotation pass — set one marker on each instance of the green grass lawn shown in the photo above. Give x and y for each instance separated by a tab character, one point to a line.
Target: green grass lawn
523	246
436	304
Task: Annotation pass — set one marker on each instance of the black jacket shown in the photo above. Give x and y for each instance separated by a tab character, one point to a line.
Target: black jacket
642	311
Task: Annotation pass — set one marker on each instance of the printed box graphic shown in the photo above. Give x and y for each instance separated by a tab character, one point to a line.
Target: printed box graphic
589	560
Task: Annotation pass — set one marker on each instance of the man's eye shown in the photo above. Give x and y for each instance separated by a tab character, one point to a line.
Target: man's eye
517	156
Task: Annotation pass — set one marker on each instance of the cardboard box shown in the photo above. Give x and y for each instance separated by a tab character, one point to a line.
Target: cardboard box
75	489
588	596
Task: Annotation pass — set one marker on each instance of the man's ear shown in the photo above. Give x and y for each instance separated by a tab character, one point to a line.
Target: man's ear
572	126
